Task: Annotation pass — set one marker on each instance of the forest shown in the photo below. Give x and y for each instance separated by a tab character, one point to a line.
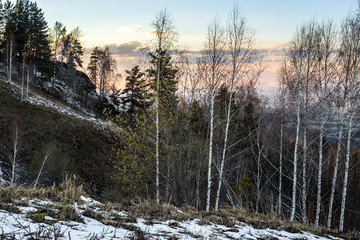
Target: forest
194	131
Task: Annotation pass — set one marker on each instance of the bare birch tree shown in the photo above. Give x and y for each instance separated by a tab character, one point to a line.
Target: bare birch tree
325	49
14	155
46	157
296	65
308	36
281	101
214	58
299	78
349	55
241	43
165	35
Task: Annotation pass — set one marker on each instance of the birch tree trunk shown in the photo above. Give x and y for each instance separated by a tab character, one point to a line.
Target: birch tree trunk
281	166
309	38
13	158
157	156
350	63
346	176
208	194
301	52
242	53
258	170
304	174
318	197
298	107
165	35
214	55
293	200
224	149
23	78
27	82
337	159
10	59
42	167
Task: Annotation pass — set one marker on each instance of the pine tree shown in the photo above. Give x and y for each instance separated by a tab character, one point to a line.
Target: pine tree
137	96
71	49
38	36
167	79
25	23
94	65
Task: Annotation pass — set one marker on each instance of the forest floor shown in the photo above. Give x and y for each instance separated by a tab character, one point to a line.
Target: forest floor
66	212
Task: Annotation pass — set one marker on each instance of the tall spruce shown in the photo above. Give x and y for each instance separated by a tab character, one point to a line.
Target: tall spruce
136	96
167	78
94	65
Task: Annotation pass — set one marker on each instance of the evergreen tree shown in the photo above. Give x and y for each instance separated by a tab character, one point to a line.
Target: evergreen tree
101	69
39	35
136	94
72	49
94	65
167	81
25	23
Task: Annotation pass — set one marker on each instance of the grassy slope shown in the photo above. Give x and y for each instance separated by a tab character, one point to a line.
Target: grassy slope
78	146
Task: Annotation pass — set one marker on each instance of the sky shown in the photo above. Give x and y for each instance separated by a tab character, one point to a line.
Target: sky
127	24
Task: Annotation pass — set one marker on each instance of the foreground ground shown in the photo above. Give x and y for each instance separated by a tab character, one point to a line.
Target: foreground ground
65	213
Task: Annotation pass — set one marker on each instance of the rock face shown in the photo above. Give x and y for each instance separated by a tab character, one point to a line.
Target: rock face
75	87
85	83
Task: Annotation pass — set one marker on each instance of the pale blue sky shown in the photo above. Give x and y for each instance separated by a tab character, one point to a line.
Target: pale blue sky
119	22
114	21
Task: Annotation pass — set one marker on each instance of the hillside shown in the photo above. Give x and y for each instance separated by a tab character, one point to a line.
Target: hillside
75	138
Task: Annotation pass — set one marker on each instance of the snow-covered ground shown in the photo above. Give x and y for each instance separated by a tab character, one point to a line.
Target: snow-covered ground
115	224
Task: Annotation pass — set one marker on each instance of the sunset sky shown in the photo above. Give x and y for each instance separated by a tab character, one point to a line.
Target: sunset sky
127	24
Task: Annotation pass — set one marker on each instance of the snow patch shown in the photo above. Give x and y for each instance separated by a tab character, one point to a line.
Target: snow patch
19	226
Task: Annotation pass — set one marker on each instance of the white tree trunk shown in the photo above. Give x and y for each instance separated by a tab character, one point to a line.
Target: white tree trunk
14	156
318	198
208	195
304	173
224	150
53	78
42	167
337	159
304	189
27	82
280	167
10	60
258	171
298	106
23	79
157	102
347	161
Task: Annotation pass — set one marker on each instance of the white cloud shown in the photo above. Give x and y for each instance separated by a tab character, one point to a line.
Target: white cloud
130	29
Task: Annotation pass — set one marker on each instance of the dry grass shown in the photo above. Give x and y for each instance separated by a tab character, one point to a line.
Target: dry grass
67	193
150	211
